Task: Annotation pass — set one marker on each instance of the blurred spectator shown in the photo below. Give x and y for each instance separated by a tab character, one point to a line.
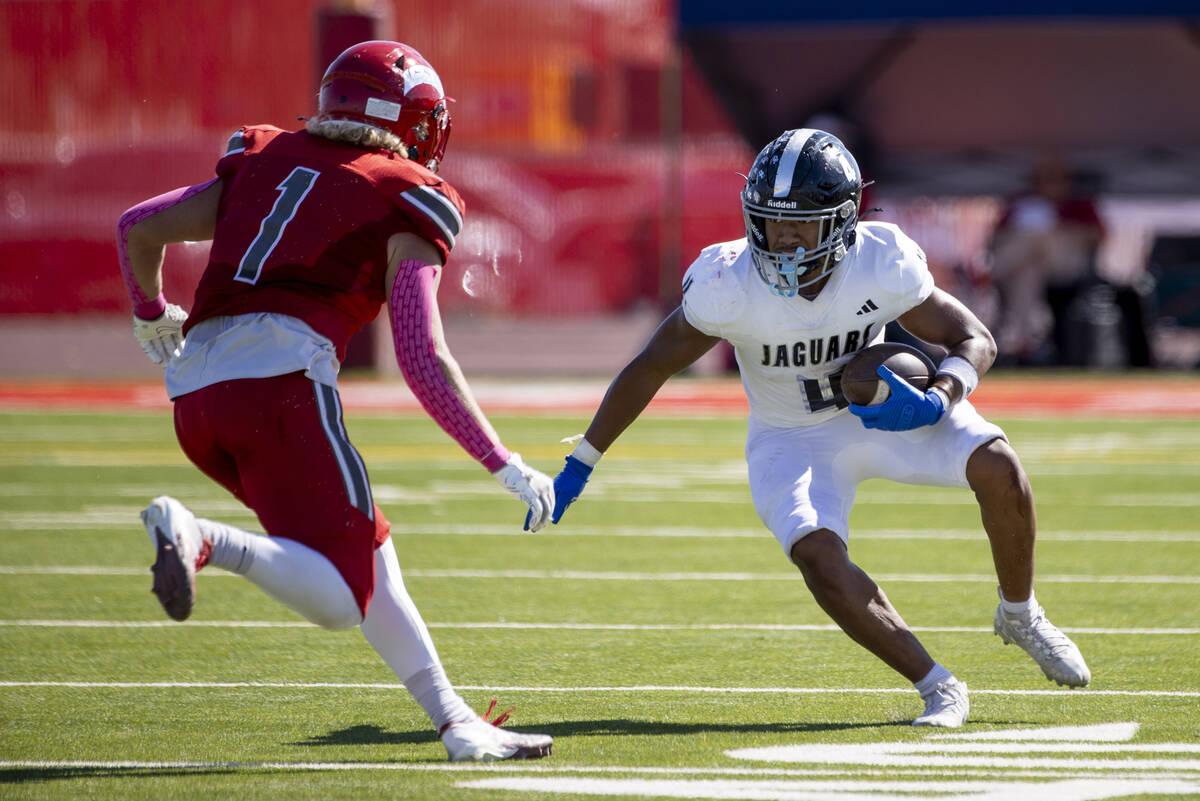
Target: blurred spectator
1043	256
1055	308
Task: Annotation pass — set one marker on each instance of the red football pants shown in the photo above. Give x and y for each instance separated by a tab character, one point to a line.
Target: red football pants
279	445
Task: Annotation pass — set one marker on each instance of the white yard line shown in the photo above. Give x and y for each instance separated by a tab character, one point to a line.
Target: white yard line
799	627
649	688
1094	788
920	578
616	575
692	532
97	518
528	768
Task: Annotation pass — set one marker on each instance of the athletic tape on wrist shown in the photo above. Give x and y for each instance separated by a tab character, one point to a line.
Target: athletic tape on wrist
586	453
962	370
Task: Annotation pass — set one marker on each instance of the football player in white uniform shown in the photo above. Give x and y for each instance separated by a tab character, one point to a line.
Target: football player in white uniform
806	289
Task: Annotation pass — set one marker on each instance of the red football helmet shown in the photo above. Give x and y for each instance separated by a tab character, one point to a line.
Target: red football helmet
391	86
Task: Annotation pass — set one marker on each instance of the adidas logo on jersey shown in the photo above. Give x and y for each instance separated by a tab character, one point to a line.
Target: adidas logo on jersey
867	307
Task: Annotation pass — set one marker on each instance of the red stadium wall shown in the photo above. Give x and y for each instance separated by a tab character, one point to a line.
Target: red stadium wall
577	136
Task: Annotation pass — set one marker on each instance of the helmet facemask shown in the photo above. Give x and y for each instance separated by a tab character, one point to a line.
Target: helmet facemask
786	273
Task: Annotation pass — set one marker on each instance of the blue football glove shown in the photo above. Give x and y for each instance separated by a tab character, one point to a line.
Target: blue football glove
905	409
567	486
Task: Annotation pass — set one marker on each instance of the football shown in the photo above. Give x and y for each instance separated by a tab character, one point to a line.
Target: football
860	384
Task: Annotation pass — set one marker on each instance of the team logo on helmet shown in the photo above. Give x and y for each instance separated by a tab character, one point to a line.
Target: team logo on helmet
421	75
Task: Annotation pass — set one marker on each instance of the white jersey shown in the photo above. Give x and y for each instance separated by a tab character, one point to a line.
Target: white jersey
791	351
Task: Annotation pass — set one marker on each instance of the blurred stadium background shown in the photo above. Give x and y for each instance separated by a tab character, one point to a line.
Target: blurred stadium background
598	143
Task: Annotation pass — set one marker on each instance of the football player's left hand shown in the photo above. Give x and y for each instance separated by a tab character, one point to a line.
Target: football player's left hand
905	409
161	338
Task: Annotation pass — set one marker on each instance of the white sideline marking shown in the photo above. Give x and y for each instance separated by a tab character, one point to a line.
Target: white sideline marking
1092	732
1065	790
222	685
957	753
822	627
1084	787
600	575
521	768
1000	749
946	755
1145	776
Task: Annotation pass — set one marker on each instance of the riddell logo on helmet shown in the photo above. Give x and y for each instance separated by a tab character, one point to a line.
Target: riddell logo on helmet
781	204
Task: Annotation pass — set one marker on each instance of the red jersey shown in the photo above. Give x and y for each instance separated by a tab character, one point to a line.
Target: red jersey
303	225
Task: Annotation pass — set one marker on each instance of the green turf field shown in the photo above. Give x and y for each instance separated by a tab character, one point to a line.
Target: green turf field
658	633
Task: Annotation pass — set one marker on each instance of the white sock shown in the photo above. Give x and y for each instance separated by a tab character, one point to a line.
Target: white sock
233	548
396	631
933	678
1019	609
432	690
292	573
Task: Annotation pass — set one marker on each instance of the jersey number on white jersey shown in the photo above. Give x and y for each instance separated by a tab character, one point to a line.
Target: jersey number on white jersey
823	393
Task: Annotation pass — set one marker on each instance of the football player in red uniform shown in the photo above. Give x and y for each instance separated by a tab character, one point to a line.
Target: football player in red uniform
312	232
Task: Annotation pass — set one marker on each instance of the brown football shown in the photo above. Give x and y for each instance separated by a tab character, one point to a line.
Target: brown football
860	384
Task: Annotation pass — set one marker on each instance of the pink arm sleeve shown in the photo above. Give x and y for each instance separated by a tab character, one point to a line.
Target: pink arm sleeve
144	307
412	332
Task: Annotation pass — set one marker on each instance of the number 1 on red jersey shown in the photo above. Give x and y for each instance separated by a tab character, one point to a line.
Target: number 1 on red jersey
292	192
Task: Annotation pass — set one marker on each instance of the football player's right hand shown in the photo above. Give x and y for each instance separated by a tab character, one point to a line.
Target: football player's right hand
906	407
531	486
568	485
161	338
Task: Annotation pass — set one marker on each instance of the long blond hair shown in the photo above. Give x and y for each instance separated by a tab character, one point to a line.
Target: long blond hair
355	133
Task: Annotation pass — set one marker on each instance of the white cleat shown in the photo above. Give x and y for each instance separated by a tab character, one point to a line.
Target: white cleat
479	741
180	550
947	706
1056	655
